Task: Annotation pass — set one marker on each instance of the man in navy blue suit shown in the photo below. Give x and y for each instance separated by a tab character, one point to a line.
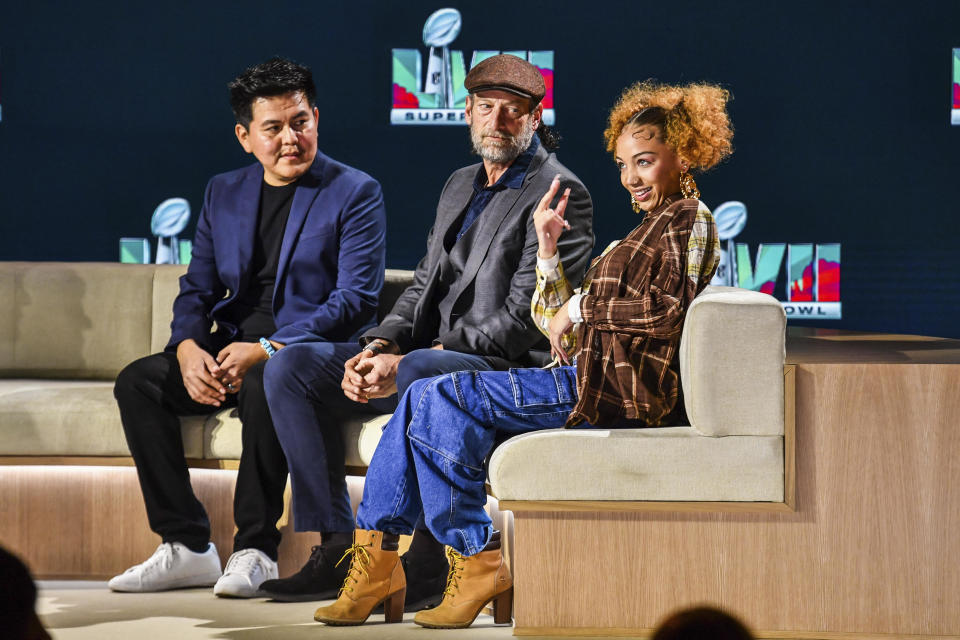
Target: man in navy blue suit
288	250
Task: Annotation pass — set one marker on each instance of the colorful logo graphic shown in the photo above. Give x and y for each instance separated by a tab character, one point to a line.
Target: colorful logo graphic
437	96
813	270
169	220
955	112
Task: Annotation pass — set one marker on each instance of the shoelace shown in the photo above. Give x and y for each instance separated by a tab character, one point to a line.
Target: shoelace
163	556
244	562
456	568
361	557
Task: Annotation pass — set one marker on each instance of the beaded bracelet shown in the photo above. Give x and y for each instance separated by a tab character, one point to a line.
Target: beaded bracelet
267	347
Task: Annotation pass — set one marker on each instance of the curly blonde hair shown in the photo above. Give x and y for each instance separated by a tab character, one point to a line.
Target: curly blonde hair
692	118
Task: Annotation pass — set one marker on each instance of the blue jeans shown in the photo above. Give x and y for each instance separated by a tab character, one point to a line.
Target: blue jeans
431	456
302	386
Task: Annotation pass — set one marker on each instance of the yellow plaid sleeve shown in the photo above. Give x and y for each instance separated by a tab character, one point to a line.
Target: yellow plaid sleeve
552	291
703	248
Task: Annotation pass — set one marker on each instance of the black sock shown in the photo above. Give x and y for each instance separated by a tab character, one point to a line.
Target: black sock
198	547
337	538
424	543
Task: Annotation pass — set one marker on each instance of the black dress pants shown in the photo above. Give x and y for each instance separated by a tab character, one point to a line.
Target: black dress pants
151	396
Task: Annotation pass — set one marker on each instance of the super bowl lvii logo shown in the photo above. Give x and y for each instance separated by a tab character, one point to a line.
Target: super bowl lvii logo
168	222
955	112
436	95
813	270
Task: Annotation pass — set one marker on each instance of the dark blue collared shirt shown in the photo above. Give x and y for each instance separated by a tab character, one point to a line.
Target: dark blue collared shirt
512	178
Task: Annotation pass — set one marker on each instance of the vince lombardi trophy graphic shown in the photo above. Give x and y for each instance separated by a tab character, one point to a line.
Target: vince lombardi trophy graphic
441	28
731	218
168	221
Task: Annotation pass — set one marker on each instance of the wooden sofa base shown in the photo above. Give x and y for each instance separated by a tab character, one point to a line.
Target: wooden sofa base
82	518
760	634
871	551
88	522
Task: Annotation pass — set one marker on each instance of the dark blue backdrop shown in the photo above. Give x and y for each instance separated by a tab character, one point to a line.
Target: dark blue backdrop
841	111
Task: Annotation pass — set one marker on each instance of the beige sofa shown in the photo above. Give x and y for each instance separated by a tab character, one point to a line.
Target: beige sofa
731	363
68	328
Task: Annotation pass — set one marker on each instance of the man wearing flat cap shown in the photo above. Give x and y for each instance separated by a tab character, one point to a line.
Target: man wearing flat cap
467	309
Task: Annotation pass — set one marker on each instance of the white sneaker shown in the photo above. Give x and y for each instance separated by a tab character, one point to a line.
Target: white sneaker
246	571
172	566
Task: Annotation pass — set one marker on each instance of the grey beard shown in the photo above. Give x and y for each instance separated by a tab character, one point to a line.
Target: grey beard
504	154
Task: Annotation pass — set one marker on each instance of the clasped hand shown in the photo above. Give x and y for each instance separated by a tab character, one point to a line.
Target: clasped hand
368	375
208	380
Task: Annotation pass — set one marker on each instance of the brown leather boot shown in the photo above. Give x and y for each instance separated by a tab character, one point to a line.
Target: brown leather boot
473	581
375	576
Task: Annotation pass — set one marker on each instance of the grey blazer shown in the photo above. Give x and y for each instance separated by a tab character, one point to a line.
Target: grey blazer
491	312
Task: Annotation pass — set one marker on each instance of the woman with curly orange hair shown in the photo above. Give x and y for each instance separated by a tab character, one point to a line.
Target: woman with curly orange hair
636	295
628	319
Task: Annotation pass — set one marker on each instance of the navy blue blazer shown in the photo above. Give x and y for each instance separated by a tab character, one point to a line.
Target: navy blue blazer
331	263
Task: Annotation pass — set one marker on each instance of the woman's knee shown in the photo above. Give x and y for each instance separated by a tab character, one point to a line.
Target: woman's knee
432	395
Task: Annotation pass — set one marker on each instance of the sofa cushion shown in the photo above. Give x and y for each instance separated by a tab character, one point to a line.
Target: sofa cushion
8	315
166	286
72	320
369	437
673	463
731	362
71	418
361	433
80	418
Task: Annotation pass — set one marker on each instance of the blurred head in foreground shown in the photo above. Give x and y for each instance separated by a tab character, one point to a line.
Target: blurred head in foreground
701	623
18	597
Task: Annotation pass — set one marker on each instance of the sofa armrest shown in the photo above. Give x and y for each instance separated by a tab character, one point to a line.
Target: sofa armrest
731	363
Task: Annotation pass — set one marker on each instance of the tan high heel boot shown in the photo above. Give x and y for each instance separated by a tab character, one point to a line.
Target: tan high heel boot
473	581
375	576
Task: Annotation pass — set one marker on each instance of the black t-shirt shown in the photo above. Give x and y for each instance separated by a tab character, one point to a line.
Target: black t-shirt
253	309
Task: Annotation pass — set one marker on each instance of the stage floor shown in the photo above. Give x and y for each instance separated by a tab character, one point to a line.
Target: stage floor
79	610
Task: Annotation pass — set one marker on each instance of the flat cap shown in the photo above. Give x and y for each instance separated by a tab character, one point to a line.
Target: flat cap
505	72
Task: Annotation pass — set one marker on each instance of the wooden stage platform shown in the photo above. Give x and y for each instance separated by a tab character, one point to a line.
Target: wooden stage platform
872	549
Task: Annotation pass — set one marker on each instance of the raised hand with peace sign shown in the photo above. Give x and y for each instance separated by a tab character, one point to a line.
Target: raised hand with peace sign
548	222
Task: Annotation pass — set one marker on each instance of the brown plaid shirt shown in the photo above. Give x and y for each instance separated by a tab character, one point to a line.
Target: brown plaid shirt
633	314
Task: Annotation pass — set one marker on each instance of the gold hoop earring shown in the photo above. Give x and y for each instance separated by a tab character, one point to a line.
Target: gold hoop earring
688	186
635	205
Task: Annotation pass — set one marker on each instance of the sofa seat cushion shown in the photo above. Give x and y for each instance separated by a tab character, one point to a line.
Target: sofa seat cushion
71	418
671	464
361	433
369	436
80	418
